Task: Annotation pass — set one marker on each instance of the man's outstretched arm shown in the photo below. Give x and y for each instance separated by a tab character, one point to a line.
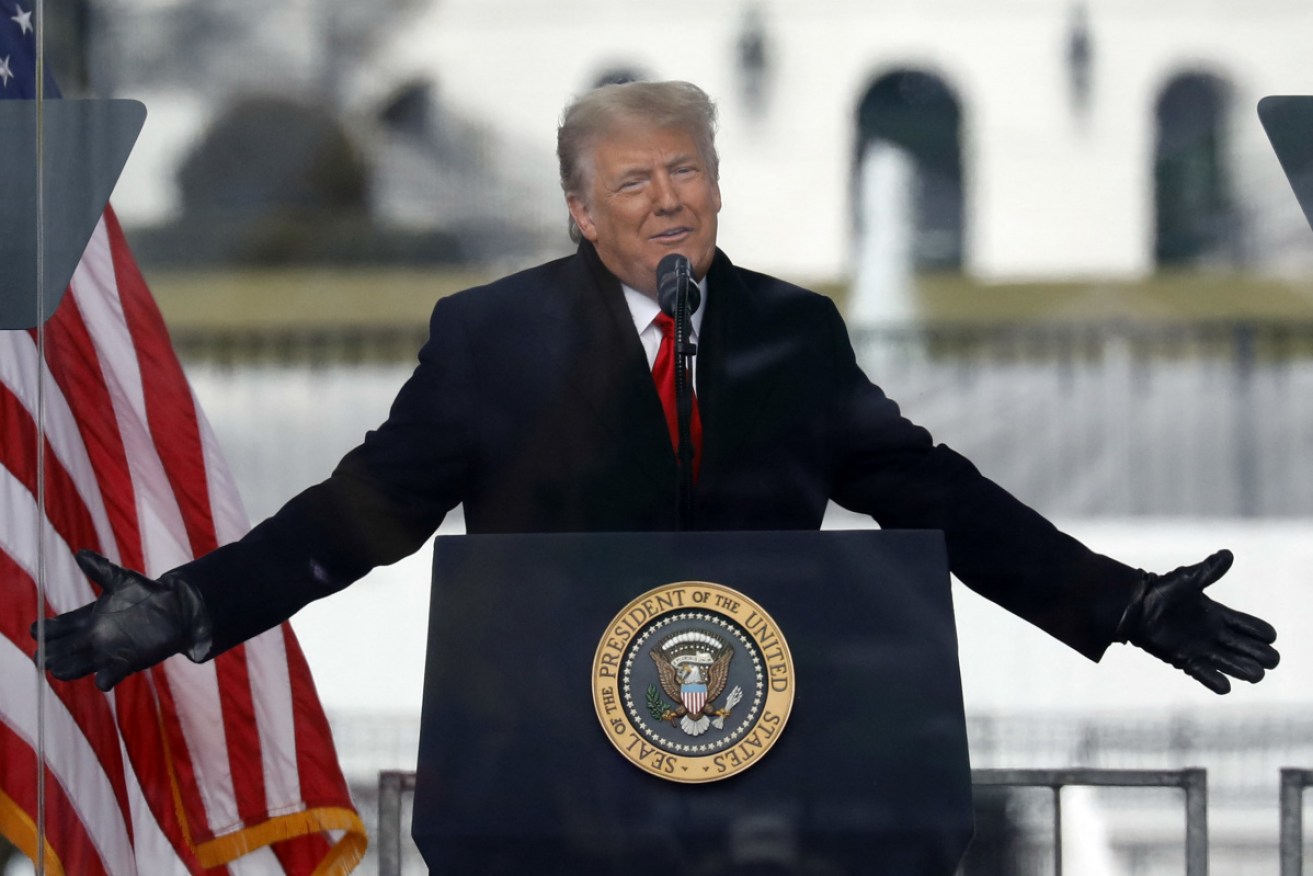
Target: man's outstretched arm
137	622
1010	554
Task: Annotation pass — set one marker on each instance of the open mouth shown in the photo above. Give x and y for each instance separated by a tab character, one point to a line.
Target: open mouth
672	234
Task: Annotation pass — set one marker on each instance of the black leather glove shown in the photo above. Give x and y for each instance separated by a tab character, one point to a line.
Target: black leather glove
1172	619
136	623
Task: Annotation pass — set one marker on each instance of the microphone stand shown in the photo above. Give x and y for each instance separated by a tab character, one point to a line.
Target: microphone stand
678	298
685	350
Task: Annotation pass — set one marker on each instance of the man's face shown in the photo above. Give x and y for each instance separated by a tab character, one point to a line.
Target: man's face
650	194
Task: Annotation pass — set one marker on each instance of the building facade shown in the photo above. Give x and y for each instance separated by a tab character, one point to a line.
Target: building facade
1015	140
1048	139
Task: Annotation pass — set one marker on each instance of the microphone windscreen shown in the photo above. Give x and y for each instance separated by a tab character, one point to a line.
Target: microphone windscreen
673	270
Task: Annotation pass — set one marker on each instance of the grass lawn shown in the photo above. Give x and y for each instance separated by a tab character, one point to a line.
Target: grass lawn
326	297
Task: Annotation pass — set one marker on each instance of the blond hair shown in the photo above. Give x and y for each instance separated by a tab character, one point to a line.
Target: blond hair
589	117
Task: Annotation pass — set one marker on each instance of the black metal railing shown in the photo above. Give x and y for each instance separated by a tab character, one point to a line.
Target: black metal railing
1194	782
394	784
1121	419
1293	783
1193	419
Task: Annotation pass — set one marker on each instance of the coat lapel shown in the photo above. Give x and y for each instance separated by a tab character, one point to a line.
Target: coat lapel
733	377
614	384
610	371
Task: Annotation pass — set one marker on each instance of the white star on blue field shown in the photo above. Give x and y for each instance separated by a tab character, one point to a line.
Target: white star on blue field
24	19
17	48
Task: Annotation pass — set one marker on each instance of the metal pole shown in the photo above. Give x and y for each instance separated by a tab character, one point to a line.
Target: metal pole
389	823
41	682
1246	449
1195	783
1057	830
1292	820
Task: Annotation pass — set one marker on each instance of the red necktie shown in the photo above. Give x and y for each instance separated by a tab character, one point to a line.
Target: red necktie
663	373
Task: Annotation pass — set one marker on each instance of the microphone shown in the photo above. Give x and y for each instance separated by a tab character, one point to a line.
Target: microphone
675	275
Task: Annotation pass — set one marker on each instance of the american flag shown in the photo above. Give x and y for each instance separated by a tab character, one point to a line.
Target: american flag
182	768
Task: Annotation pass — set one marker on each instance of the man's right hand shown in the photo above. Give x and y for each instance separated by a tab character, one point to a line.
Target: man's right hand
136	623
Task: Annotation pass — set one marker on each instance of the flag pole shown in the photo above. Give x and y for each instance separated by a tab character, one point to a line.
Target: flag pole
39	61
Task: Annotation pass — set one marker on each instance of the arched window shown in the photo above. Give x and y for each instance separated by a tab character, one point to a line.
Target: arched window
913	117
1195	217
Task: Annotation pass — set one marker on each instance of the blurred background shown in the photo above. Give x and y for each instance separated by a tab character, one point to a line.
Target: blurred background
1056	228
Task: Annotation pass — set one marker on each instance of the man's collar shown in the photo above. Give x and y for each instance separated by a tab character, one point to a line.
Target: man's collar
643	309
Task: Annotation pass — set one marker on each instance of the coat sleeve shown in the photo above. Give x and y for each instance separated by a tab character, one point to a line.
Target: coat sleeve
381	503
891	469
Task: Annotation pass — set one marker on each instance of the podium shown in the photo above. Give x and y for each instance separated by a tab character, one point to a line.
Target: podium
516	774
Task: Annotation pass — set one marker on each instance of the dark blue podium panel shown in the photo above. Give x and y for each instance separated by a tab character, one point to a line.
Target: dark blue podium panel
1288	121
84	147
517	775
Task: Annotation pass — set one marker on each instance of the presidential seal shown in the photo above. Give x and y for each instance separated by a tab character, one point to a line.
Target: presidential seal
693	682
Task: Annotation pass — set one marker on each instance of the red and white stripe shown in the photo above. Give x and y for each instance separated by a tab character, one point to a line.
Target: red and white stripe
694	699
185	766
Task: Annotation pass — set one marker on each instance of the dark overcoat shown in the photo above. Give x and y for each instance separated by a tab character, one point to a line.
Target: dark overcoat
533	405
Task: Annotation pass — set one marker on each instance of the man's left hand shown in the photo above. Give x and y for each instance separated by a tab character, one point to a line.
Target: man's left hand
1172	619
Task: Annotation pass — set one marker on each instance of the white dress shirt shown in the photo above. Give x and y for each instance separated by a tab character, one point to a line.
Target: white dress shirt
644	310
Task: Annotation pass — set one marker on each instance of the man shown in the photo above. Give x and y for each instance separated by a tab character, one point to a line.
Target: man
534	405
